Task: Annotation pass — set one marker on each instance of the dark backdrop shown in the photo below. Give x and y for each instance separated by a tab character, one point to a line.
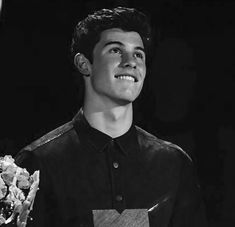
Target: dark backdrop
188	96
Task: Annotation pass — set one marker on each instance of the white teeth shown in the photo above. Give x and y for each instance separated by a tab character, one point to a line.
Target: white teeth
126	78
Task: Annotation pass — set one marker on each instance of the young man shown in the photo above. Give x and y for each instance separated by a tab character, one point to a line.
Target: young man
101	160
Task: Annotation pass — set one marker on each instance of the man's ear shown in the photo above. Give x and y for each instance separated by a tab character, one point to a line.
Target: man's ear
82	64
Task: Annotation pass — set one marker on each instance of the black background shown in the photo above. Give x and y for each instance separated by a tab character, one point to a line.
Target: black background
188	96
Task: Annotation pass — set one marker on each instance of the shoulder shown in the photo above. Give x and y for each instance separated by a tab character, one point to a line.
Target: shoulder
50	136
37	154
31	155
149	140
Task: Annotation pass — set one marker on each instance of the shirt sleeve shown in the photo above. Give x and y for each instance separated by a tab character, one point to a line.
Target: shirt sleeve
189	209
44	213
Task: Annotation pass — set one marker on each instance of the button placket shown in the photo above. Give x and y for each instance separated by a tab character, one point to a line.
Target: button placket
118	197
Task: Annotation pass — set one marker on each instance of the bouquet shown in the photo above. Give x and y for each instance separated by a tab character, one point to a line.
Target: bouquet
17	192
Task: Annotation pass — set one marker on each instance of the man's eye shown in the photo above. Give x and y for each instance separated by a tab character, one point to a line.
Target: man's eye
115	50
139	55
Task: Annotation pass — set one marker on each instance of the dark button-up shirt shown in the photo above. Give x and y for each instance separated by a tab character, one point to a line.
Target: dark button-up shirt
83	169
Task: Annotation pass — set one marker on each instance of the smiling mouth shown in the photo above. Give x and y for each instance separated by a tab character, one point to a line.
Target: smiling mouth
126	77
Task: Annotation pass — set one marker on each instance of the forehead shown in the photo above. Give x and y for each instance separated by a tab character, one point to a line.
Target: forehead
130	38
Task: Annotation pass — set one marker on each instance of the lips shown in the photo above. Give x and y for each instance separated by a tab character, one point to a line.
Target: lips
126	77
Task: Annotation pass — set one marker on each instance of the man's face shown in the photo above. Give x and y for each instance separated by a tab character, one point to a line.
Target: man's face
118	69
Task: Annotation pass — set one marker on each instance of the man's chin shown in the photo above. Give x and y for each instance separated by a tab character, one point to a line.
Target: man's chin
124	98
125	101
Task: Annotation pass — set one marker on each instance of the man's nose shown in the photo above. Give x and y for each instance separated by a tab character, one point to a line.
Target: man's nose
128	60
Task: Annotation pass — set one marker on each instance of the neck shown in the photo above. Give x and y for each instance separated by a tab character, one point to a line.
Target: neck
113	121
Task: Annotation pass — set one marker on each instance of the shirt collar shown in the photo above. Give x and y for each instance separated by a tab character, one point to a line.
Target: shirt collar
127	142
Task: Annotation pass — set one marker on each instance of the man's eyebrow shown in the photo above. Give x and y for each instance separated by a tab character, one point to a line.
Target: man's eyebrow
121	44
140	48
113	42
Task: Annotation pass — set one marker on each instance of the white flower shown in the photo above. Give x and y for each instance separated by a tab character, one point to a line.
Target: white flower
3	188
12	180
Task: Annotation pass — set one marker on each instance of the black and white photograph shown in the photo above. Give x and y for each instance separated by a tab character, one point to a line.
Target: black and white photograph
117	113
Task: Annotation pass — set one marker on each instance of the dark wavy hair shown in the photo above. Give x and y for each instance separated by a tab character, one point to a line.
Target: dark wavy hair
87	32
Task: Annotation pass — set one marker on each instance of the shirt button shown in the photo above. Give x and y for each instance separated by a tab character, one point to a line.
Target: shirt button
115	165
119	198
